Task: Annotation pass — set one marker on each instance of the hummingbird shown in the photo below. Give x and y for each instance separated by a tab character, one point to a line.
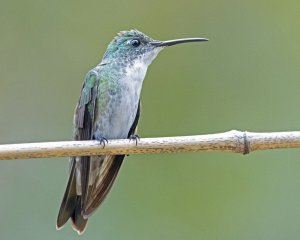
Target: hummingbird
108	108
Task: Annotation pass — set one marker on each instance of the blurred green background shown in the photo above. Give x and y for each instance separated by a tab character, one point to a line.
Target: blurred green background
246	78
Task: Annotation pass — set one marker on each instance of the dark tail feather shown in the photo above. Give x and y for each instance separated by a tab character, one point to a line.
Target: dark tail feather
78	222
102	190
71	206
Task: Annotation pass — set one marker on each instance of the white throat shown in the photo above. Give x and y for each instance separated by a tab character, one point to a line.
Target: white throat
137	71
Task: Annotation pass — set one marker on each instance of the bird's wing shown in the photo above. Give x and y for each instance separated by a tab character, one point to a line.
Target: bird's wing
77	187
83	128
107	168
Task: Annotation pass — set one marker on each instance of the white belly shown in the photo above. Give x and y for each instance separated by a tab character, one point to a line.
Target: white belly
122	107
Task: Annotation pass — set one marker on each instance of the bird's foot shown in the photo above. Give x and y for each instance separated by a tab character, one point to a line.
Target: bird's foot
102	140
135	137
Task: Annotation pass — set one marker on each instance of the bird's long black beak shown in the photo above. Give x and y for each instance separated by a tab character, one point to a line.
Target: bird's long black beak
177	41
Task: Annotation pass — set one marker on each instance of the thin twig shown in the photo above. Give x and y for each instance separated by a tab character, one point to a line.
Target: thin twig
232	141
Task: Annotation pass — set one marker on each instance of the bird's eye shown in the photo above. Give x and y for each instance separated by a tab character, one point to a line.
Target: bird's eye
135	42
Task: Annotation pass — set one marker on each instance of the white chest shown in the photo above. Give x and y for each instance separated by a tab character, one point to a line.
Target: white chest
122	107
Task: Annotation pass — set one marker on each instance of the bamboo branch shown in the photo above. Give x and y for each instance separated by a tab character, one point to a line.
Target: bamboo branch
232	141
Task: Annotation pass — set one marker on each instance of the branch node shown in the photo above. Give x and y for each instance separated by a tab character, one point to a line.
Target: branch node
246	144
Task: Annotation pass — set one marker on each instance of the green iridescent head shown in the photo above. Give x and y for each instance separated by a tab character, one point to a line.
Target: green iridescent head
133	44
128	45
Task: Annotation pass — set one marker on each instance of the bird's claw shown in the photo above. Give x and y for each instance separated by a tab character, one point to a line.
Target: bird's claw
102	140
135	137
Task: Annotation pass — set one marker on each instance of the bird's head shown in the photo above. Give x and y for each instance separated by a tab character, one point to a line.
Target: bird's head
134	45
